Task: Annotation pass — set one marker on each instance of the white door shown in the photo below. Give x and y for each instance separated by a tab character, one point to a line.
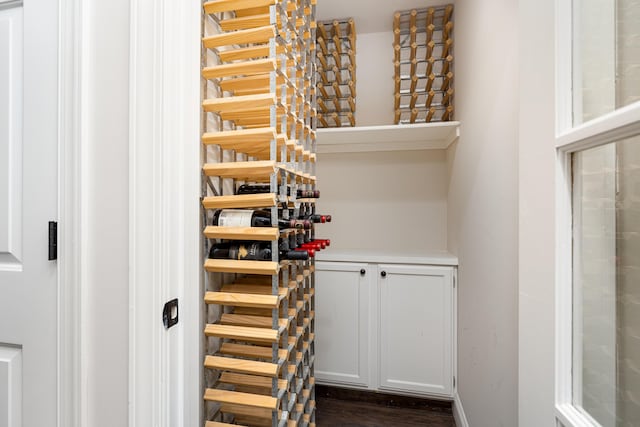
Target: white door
28	201
416	329
342	323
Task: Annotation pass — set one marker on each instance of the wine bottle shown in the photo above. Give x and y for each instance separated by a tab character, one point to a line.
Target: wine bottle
291	244
302	238
324	242
265	188
254	218
318	218
253	251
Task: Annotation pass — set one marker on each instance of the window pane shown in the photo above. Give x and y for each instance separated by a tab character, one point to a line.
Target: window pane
606	56
606	282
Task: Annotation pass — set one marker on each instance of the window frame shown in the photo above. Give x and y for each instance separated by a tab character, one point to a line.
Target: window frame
617	125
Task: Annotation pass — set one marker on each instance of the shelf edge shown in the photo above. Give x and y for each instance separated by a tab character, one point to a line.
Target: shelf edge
430	136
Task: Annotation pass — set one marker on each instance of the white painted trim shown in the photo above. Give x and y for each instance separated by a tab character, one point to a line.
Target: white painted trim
619	124
71	81
571	416
454	328
164	213
458	412
564	296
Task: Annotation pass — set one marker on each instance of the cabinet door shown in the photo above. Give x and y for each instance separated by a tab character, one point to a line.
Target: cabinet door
342	323
416	329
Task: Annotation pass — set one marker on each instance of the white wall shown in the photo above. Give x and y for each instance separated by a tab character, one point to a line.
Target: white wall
536	162
374	79
391	201
483	209
106	191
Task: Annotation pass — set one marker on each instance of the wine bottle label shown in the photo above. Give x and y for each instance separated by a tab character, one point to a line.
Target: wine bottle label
248	251
235	218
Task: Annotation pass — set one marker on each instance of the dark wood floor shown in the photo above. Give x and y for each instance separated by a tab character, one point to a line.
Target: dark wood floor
346	408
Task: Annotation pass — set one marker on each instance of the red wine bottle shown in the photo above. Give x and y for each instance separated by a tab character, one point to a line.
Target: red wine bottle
290	244
251	218
324	242
265	188
252	251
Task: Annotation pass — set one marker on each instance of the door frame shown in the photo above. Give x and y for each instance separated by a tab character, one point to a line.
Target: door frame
164	381
165	366
71	199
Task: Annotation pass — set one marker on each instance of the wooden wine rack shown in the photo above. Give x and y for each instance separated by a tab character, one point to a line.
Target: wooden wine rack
336	80
258	126
423	64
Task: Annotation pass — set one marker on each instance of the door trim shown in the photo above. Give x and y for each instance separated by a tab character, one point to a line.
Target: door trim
71	127
164	213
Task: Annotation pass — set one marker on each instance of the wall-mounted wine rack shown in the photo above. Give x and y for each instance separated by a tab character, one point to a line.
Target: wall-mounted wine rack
258	123
423	64
336	81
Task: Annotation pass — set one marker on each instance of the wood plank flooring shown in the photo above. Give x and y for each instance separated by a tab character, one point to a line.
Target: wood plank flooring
353	408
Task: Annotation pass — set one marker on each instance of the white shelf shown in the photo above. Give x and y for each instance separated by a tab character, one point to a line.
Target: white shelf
379	257
424	136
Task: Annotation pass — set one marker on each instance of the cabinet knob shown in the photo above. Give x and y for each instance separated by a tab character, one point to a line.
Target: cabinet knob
363	272
383	273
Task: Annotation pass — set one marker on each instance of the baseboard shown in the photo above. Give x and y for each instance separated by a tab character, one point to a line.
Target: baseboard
458	412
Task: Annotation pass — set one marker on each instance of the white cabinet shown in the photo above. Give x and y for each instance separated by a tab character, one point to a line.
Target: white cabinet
416	329
342	323
387	327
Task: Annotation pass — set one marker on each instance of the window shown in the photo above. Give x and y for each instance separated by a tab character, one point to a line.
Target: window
598	322
606	44
606	282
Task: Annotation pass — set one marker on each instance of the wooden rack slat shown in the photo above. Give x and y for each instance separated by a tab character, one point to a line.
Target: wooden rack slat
239	103
219	424
267	268
242	333
262	234
241	299
249	52
251	321
258	66
251	380
251	351
257	417
253	35
245	171
218	6
240	201
246	399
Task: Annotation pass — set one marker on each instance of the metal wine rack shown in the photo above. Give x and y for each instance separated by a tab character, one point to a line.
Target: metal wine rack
336	61
258	126
423	63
